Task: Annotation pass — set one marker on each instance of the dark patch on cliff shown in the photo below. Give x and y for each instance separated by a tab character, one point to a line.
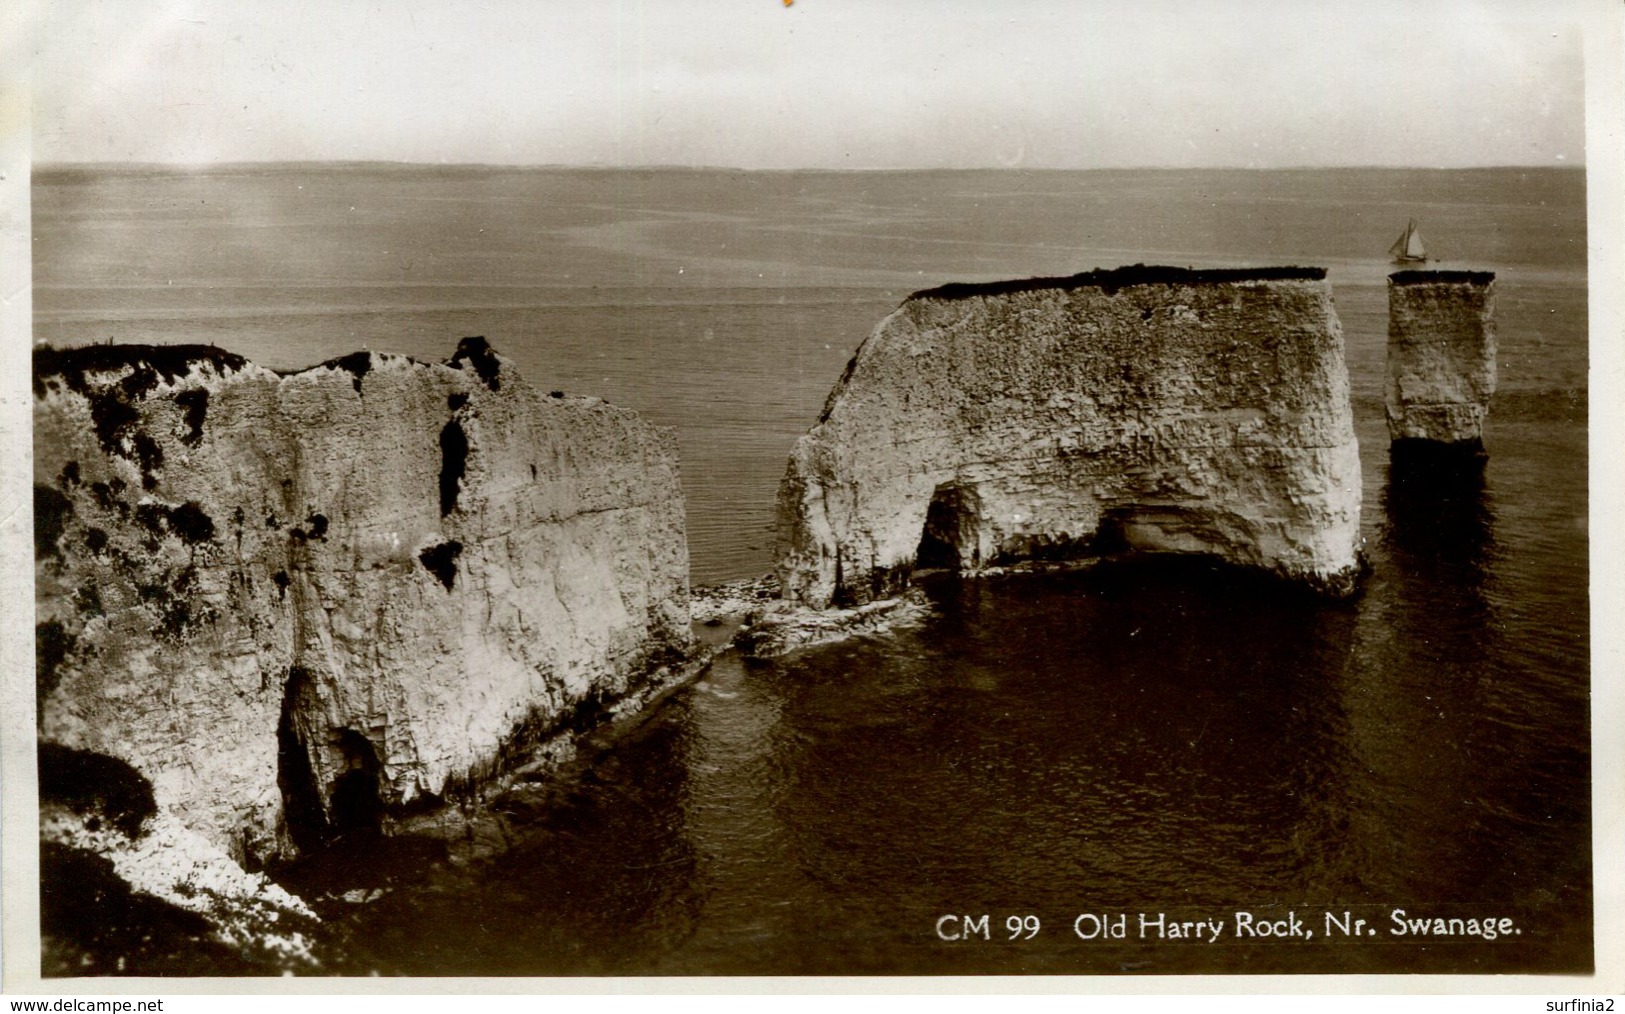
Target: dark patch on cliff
149	458
97	786
112	417
194	405
107	496
302	811
477	352
441	561
52	645
52	512
169	600
1414	277
154	517
318	528
189	522
356	364
456	400
281	580
92	923
87	600
453	462
69	475
1109	280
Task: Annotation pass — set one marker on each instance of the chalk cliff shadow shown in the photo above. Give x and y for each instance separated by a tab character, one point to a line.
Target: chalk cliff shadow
1439	519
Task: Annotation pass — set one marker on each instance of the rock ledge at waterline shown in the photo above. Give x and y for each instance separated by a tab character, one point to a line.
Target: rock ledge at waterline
282	606
1144	408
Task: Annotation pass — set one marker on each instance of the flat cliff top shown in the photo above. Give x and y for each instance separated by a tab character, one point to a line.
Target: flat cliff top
1111	279
1414	277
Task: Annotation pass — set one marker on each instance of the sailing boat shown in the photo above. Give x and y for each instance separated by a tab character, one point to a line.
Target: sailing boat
1408	248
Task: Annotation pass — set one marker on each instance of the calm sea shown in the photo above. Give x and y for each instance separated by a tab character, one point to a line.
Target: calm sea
1117	744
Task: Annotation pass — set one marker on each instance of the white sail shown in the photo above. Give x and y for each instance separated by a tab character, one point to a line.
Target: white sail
1408	247
1414	247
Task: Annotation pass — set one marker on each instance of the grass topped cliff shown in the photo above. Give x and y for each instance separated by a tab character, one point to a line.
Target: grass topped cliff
1111	279
1414	277
146	363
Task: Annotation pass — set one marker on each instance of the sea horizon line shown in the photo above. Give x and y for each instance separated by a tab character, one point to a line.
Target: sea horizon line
60	165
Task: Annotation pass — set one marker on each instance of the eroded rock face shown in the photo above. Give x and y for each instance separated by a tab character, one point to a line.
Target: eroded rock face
1155	409
1441	356
293	603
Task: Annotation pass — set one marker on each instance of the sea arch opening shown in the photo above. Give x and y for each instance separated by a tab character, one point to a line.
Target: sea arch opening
951	537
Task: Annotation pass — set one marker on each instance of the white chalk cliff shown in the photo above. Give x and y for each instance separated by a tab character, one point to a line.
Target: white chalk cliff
292	603
1155	409
1441	356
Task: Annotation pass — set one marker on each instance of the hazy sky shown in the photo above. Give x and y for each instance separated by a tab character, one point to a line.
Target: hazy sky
827	83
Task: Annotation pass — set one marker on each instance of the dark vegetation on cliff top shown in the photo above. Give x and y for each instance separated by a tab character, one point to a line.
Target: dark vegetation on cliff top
112	403
356	364
477	352
1109	280
169	361
1414	277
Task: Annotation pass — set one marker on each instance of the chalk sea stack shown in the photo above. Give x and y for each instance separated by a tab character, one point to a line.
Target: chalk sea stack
1441	359
1154	409
292	604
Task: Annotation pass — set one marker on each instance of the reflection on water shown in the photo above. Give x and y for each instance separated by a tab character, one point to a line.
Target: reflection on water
1159	736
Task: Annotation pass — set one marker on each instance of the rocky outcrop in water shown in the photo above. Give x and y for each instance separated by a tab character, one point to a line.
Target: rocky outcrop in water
1151	409
1441	356
282	607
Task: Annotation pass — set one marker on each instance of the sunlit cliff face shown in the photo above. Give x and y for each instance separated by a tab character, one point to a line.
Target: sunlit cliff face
293	603
1146	409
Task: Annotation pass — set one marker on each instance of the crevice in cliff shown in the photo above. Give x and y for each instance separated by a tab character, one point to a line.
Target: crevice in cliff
453	462
356	805
302	811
